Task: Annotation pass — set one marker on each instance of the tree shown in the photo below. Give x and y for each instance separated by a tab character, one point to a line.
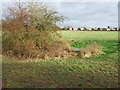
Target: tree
28	28
34	15
14	16
108	26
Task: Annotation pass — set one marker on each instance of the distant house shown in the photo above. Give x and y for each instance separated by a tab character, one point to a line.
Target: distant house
98	29
118	29
79	29
104	29
70	28
113	29
74	29
82	28
108	29
95	29
90	29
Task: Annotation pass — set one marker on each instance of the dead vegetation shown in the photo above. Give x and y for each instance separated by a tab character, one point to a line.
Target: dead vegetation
29	29
59	50
92	49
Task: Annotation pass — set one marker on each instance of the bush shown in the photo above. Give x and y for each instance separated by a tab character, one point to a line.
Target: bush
29	30
57	49
92	49
24	45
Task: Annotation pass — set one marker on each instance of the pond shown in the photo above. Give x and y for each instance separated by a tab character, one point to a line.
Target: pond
76	49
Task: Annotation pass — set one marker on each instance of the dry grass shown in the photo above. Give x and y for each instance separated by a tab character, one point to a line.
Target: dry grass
58	50
92	49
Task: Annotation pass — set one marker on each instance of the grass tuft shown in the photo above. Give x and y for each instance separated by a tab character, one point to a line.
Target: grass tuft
92	49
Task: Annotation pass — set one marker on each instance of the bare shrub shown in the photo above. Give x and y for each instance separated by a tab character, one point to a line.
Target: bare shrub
28	45
23	44
57	49
29	30
25	50
92	49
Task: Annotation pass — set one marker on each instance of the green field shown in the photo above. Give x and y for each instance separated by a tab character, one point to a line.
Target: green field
94	72
90	35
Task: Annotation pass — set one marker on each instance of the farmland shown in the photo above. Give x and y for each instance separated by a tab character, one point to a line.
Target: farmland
93	72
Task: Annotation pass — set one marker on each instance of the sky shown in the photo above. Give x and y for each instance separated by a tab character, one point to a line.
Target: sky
86	13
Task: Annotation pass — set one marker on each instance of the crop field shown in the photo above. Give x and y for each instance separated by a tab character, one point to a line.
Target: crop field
87	72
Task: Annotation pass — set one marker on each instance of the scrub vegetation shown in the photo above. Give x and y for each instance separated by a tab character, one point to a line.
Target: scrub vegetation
36	55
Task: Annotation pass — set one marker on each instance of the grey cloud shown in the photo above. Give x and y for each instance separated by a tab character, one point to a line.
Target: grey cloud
89	14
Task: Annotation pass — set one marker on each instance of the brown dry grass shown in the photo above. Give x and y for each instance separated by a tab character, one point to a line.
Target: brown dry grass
59	49
92	49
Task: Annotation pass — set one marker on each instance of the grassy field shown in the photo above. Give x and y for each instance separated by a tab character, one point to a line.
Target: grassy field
90	35
93	72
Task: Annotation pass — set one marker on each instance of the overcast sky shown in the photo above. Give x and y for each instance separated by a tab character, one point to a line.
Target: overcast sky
86	14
